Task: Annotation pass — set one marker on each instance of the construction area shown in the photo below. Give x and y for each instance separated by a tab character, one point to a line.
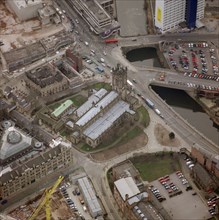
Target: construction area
59	209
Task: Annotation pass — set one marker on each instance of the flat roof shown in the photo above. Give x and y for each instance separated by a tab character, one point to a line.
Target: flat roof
107	120
27	52
94	8
126	186
97	108
90	195
93	99
58	111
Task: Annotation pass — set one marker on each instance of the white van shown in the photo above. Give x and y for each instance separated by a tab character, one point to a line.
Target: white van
189	162
191	166
102	60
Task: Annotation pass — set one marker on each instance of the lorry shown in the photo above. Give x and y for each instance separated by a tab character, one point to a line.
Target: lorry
149	103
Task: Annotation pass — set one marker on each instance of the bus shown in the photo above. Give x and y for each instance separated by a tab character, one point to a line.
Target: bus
111	41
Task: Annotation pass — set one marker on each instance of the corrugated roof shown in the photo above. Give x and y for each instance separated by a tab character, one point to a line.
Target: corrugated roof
107	120
93	99
97	108
126	186
58	111
91	199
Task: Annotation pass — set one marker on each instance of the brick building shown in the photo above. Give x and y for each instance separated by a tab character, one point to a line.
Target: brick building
207	160
203	178
127	196
22	173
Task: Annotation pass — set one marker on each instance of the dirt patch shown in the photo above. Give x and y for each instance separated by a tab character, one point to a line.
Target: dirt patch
136	143
162	136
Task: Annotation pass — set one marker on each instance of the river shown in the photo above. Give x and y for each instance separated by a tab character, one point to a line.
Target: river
177	99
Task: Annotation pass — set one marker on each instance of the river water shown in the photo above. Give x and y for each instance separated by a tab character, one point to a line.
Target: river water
177	99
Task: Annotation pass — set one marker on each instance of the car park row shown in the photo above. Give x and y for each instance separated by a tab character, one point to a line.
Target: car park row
193	85
69	201
171	188
197	58
157	194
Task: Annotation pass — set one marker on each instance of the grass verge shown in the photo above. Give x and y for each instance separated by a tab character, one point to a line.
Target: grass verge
144	116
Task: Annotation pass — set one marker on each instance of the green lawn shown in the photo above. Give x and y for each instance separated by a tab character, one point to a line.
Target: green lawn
144	116
86	147
134	132
54	106
100	85
78	100
156	166
130	135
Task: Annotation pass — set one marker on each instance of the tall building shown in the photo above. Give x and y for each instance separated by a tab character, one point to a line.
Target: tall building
190	16
170	13
200	9
194	11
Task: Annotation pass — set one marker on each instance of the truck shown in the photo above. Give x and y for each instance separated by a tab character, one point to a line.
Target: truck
110	41
149	103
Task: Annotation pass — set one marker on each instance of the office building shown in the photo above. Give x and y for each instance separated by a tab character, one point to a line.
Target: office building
194	11
25	9
95	15
169	13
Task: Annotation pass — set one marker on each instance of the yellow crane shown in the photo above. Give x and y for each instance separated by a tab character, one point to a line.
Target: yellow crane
46	201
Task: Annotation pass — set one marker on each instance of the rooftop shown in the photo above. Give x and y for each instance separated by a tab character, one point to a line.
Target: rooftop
107	120
13	141
65	105
90	195
26	52
26	3
110	97
17	168
93	99
95	9
126	186
44	76
202	174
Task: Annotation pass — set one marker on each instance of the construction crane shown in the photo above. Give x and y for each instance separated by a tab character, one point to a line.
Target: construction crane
46	201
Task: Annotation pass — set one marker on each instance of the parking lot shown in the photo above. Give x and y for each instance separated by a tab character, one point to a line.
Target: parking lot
75	202
197	59
184	205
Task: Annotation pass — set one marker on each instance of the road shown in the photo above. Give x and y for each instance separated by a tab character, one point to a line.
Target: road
143	76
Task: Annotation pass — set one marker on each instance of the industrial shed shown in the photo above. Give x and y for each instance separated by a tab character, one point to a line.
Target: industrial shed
90	198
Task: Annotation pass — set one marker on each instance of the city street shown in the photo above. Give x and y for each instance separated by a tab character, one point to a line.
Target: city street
112	55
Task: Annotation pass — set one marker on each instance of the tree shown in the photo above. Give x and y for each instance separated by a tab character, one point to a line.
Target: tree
171	135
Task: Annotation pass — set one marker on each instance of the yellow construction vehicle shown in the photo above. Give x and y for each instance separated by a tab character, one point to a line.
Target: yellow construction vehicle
46	201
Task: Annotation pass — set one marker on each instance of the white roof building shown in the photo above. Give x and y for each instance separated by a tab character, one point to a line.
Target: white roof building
126	186
25	9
